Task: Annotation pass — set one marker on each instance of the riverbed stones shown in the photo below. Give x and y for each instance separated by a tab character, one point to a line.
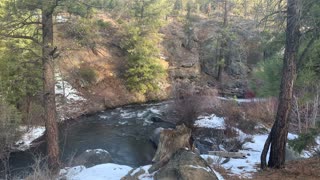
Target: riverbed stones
185	165
92	157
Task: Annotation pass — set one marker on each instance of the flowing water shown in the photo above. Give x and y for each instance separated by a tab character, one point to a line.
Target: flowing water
123	132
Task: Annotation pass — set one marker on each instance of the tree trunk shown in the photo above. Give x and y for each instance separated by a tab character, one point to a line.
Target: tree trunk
221	61
245	6
225	16
297	109
279	132
49	87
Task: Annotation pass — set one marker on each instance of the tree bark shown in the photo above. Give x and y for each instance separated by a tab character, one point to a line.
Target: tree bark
225	15
49	102
279	132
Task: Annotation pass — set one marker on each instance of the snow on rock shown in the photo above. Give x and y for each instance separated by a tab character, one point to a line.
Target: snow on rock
146	175
65	89
69	101
71	171
108	171
199	167
31	134
211	121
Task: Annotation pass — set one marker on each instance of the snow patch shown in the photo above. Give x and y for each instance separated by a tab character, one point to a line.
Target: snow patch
211	121
199	167
27	138
108	171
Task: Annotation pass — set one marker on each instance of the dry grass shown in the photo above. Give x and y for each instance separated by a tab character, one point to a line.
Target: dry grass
307	169
40	171
246	116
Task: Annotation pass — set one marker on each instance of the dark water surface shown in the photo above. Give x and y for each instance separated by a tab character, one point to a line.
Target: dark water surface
123	132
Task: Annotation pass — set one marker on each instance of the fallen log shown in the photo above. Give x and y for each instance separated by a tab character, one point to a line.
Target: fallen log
236	155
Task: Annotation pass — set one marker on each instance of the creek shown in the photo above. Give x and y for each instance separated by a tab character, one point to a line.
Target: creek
124	132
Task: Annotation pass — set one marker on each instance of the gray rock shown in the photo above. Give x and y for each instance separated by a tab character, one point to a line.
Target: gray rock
92	157
154	138
185	165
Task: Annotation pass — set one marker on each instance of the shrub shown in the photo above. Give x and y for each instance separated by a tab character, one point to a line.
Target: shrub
236	144
103	24
246	116
190	103
305	140
40	170
87	75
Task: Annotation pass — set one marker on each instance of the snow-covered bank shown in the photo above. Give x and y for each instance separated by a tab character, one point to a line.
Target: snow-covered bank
107	171
243	168
30	135
103	171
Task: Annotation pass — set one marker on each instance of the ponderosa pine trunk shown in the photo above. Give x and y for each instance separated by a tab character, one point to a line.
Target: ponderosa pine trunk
49	102
278	136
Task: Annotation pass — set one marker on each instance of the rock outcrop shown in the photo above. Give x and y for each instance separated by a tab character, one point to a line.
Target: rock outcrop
170	142
185	165
92	157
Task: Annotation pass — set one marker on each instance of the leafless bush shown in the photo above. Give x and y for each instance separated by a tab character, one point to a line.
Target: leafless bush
246	116
190	102
40	170
261	111
237	143
305	112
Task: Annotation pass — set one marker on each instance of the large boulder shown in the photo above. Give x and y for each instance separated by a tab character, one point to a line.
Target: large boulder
185	165
171	140
92	157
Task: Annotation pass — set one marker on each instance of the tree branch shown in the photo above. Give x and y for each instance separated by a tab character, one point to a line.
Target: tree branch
20	37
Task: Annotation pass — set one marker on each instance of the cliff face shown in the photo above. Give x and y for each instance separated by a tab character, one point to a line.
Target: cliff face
193	53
